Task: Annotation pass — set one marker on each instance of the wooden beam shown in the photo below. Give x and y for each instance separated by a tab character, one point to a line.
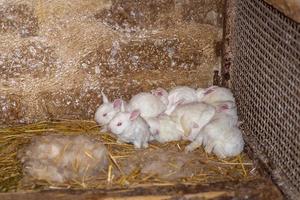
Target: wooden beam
260	189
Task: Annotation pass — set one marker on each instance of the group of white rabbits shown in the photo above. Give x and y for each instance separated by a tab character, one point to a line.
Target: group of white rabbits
205	117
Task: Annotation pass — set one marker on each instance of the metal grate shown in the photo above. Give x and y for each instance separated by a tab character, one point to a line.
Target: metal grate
265	77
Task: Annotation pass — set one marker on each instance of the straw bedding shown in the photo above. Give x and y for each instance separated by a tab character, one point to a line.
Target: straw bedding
160	164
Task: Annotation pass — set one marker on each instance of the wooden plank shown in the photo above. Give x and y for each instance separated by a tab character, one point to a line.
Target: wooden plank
290	8
261	189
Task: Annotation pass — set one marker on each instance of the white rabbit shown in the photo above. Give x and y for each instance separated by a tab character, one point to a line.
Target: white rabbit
230	144
154	125
164	129
148	104
130	128
107	111
221	135
180	95
214	94
192	117
162	94
227	108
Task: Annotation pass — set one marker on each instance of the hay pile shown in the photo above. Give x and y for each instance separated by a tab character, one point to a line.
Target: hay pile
159	164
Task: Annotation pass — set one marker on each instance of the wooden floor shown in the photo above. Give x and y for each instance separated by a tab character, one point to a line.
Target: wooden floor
260	189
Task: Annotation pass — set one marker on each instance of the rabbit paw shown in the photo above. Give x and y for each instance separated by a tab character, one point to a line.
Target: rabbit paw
191	147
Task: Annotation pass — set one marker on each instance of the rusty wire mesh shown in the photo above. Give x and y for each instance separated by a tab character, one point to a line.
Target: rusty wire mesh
265	77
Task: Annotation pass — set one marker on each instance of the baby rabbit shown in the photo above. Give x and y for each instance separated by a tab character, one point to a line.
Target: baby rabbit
107	111
227	109
130	128
214	94
148	104
230	144
221	135
192	117
164	129
162	94
180	95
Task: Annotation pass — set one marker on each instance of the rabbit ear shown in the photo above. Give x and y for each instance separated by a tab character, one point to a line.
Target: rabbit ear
153	92
104	97
134	114
122	107
159	92
210	89
117	103
177	103
226	106
171	108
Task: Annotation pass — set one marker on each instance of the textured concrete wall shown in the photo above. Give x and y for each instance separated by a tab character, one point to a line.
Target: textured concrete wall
56	56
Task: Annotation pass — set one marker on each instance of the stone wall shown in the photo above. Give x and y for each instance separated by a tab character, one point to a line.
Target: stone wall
56	56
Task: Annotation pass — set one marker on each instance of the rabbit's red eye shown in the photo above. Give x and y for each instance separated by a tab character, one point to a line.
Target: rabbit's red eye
119	124
104	115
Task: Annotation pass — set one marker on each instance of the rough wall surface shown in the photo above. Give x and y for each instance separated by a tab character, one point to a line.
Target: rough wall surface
56	56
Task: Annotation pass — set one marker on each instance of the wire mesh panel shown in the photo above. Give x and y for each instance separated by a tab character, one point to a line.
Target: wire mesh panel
265	77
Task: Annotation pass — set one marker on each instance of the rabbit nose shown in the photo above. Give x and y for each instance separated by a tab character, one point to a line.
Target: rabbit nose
108	128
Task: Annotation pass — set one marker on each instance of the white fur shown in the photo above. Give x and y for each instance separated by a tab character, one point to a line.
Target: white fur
148	104
214	94
182	95
164	129
162	94
154	126
228	108
221	136
231	144
106	112
129	130
192	117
